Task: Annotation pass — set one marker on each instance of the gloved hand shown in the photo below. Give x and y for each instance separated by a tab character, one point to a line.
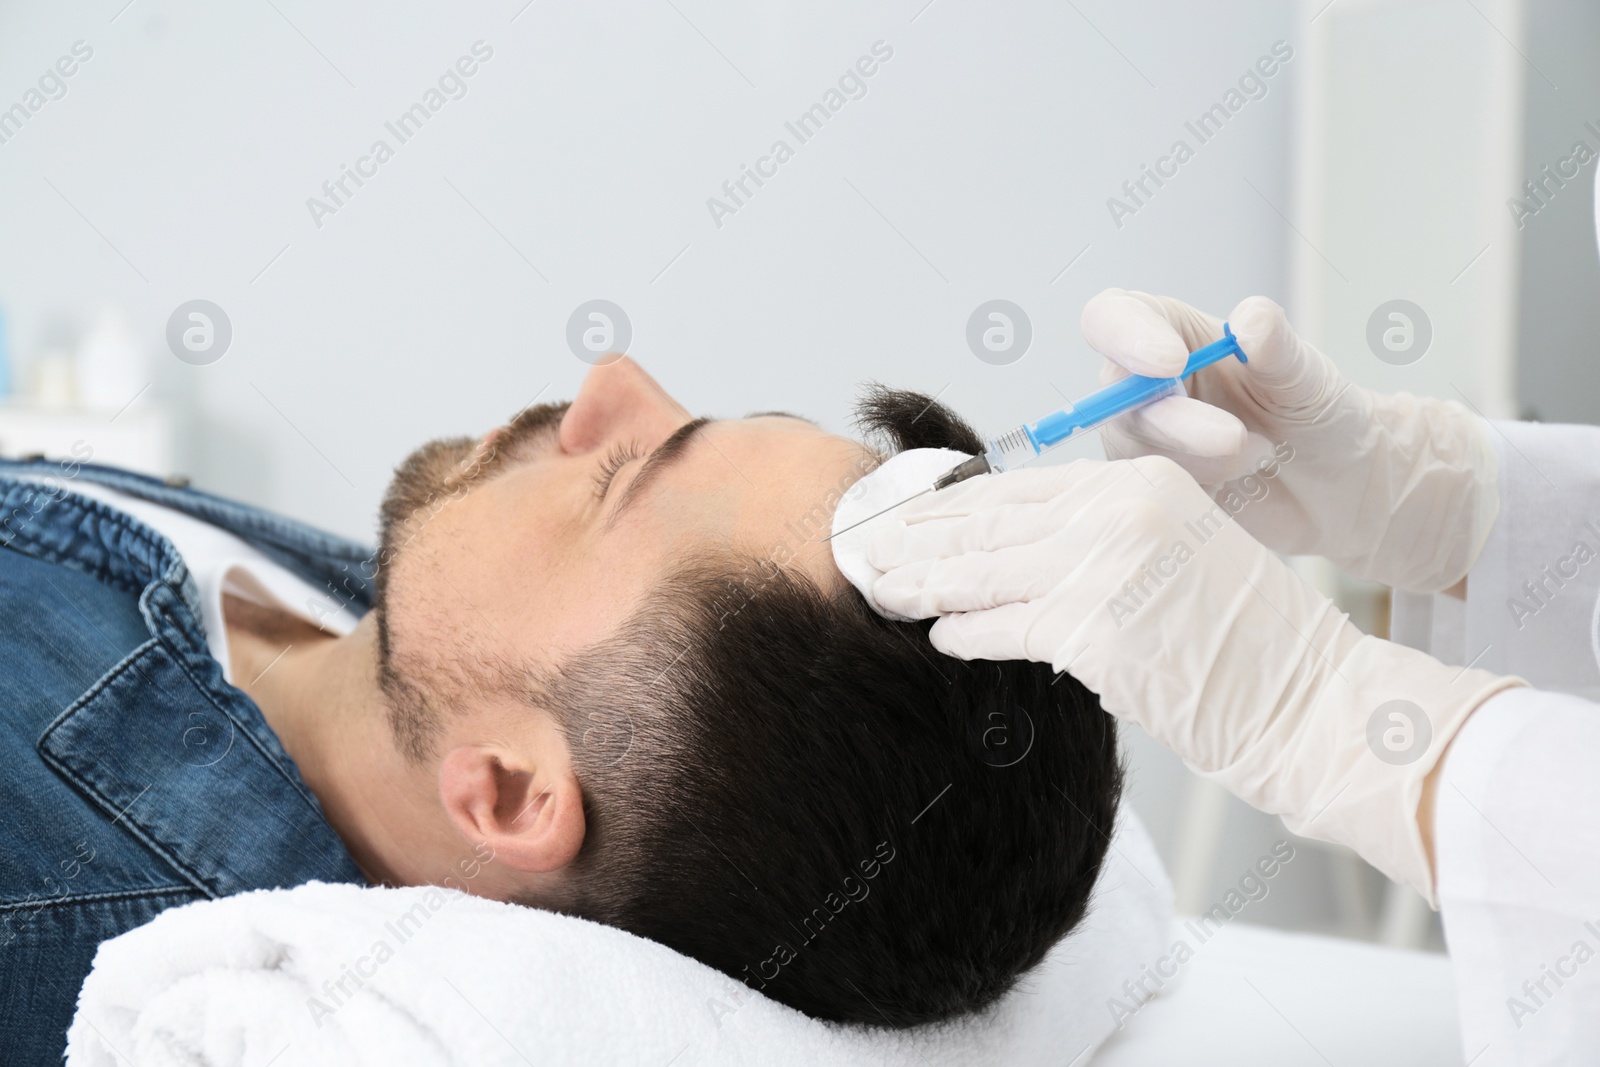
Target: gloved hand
1394	488
1128	575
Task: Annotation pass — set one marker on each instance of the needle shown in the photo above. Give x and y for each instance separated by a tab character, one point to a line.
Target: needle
875	514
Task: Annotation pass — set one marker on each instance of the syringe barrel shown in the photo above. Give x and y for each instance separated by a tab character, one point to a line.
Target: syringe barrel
1010	450
1018	446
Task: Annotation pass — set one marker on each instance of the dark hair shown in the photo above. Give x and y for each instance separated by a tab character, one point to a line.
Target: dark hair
808	797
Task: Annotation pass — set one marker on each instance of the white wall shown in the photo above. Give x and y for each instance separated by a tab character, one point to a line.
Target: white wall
1409	139
591	141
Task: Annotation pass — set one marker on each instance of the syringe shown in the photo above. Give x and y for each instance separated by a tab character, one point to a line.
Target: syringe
1033	439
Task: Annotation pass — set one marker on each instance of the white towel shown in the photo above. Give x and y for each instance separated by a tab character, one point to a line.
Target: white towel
446	978
899	478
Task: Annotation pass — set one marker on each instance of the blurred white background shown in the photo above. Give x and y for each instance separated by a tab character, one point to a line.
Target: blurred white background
1374	164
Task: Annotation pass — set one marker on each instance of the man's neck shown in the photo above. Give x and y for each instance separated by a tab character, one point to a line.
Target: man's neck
319	694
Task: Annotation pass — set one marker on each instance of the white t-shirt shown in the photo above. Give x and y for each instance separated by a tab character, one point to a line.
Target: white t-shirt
222	563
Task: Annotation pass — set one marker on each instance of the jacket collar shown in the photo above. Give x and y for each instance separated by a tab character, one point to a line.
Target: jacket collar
179	759
342	567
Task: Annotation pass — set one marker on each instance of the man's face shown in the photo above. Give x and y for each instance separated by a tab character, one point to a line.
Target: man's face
544	536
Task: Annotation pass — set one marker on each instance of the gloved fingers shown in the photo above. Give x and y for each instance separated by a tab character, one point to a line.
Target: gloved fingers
993	512
1209	471
998	633
897	543
1196	327
1029	485
975	581
1181	425
1278	359
1133	334
899	590
1146	334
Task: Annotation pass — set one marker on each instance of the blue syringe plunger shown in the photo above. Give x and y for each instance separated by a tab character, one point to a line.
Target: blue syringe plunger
1033	439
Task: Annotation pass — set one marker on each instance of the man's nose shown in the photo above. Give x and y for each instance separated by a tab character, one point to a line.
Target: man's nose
619	400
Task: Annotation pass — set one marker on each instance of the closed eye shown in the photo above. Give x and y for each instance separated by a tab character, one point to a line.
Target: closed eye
619	457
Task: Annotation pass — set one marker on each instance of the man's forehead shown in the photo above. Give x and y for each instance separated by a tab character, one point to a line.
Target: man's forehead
771	451
781	415
780	478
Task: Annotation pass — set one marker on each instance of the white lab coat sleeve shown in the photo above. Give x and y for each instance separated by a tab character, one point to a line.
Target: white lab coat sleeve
1531	596
1517	819
1517	843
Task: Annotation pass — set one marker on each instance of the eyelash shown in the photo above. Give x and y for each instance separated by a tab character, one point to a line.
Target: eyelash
614	462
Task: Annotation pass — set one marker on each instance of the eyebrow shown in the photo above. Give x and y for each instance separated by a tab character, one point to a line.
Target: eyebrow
664	455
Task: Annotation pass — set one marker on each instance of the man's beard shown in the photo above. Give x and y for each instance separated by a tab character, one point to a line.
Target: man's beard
444	470
427	481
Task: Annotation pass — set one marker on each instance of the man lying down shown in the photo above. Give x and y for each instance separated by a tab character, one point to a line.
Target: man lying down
609	669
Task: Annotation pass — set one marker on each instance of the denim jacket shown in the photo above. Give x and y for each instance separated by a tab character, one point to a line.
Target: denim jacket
135	778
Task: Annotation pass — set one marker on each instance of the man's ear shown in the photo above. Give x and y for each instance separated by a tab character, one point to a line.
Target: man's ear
532	817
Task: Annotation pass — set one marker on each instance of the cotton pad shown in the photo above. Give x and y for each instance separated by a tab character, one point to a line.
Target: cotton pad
899	477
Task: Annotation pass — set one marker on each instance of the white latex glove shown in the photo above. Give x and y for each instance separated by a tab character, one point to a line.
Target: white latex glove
1130	577
1394	488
